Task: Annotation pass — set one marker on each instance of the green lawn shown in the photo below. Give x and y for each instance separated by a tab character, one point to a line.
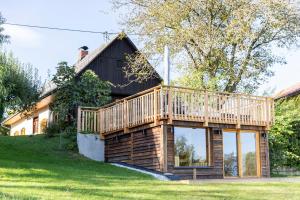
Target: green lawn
35	168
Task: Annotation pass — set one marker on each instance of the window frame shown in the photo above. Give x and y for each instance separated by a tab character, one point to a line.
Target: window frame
208	148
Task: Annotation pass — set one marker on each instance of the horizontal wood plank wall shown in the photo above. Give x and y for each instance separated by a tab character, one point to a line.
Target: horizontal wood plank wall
264	155
141	148
213	171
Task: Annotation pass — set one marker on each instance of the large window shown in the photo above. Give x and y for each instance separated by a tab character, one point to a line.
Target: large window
190	147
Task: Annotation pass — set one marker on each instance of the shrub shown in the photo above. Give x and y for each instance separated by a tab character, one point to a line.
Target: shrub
52	129
4	130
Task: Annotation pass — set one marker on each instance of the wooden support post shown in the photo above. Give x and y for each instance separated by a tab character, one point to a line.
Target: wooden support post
239	152
238	125
79	119
194	174
206	109
164	148
208	147
257	149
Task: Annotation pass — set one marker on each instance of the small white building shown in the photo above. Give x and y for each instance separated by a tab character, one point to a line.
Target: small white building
33	123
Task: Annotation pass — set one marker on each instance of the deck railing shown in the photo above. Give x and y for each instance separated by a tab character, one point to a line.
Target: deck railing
177	103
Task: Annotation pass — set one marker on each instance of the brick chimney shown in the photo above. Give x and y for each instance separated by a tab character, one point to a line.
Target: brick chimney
83	51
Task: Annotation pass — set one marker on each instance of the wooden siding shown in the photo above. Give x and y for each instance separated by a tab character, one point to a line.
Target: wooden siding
141	148
108	65
264	155
144	147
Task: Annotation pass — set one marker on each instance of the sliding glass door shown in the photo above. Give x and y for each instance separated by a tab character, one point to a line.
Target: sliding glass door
241	154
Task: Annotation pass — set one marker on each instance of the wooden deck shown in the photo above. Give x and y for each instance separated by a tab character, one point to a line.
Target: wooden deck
180	104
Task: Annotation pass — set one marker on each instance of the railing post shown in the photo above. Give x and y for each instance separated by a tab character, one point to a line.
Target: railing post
238	105
170	110
155	106
101	133
126	117
205	109
267	114
79	119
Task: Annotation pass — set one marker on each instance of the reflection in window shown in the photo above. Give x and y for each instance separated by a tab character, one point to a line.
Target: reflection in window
190	147
230	154
248	143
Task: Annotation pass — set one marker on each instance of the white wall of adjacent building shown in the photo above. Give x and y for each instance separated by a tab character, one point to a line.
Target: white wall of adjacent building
27	123
23	123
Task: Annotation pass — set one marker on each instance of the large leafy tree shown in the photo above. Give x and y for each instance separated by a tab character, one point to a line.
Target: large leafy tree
19	83
224	45
72	91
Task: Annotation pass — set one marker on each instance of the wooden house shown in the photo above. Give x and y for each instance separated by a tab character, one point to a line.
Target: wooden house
186	132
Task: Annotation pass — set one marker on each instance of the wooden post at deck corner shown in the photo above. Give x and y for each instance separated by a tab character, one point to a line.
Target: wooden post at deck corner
238	125
267	114
164	147
79	119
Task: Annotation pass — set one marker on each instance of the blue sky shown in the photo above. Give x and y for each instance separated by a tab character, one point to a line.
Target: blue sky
45	48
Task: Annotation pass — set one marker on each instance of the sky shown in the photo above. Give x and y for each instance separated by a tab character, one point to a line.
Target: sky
45	48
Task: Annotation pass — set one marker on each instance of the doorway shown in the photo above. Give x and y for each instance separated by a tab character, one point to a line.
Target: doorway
35	125
241	153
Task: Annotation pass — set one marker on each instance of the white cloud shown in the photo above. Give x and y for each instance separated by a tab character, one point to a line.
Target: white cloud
23	36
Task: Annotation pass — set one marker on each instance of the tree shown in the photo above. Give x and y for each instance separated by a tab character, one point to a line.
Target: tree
3	38
66	96
72	91
19	83
284	136
215	44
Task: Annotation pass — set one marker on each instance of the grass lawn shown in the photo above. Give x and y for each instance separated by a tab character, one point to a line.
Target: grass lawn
35	168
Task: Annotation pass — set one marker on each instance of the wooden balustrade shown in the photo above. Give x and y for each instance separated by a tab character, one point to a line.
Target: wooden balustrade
176	103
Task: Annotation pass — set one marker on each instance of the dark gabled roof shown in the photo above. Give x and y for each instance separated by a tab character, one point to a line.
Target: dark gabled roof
82	64
288	92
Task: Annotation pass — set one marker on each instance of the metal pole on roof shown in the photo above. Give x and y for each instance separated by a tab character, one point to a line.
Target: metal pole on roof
166	66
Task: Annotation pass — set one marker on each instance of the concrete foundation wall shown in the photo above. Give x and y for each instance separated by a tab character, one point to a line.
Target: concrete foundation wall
91	146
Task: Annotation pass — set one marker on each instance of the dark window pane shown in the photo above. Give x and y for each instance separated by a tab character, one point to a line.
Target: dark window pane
190	146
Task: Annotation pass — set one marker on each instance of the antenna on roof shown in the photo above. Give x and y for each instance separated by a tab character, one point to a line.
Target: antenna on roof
106	36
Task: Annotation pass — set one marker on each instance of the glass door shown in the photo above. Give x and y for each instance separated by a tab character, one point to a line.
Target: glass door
241	154
249	154
230	154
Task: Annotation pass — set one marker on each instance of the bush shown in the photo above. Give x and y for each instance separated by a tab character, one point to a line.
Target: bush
52	129
70	133
4	130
